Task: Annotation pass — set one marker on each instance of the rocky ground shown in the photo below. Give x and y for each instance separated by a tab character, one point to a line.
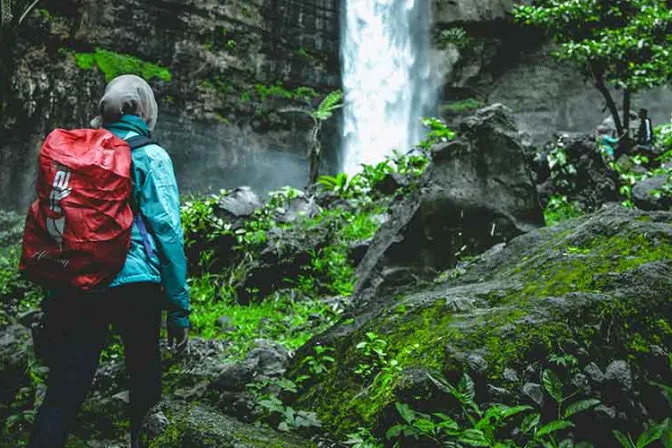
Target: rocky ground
424	307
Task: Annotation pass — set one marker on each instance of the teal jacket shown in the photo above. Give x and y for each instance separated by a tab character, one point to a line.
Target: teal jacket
156	193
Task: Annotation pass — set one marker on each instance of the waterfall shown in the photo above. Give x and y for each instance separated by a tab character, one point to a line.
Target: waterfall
388	79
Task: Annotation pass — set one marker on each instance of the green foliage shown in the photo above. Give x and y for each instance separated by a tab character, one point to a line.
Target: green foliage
625	39
15	291
278	90
455	36
114	64
284	317
318	364
487	427
438	133
329	104
362	438
374	355
466	105
623	44
284	418
559	209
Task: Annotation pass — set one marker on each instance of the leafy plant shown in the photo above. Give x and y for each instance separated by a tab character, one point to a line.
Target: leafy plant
285	417
438	133
559	209
375	357
363	438
319	363
329	104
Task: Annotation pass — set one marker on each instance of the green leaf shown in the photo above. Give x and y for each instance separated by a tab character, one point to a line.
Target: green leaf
655	432
474	437
510	412
567	443
580	406
424	425
394	431
667	391
552	384
624	440
466	387
555	425
405	411
530	422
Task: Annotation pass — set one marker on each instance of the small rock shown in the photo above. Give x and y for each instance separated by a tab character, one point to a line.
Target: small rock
390	183
594	373
511	376
580	381
498	393
225	324
234	377
535	392
619	373
477	364
269	358
606	410
123	396
155	424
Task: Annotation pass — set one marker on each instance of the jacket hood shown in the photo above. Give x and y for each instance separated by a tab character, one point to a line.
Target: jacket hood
127	95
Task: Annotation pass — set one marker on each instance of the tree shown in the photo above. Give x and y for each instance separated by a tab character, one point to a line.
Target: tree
12	14
319	115
623	44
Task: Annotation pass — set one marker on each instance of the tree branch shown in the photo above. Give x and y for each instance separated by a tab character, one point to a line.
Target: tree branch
27	11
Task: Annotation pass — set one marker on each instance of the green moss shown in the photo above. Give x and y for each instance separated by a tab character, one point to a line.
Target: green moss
431	335
114	64
465	105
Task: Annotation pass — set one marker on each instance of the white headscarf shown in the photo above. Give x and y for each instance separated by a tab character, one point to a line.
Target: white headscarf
127	94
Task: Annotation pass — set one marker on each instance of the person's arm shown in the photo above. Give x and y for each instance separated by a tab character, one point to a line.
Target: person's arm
160	206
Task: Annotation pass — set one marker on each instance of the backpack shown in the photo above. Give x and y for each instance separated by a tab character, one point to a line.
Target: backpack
78	230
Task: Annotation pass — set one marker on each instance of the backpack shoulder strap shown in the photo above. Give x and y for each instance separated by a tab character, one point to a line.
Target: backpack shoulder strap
139	141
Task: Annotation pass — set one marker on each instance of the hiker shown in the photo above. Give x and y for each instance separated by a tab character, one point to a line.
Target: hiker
152	275
645	131
606	143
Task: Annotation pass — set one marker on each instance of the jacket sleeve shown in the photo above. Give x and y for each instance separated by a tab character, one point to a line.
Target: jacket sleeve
160	206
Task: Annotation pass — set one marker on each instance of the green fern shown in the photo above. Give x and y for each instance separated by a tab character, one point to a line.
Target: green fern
329	104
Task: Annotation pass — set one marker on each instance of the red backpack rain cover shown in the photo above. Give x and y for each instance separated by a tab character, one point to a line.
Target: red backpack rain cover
78	229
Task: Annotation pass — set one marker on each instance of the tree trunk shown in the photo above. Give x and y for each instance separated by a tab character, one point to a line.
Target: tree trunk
611	105
626	112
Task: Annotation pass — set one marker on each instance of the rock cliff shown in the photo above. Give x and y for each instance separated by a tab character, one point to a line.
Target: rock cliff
231	64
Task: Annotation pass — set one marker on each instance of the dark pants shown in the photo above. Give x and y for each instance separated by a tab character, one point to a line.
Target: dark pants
78	327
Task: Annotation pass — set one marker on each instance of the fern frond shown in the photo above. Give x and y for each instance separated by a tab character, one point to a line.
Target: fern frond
329	104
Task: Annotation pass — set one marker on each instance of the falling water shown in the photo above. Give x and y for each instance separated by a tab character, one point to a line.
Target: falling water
387	76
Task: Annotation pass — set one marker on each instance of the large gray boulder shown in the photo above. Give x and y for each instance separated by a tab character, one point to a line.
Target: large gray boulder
597	287
644	194
198	427
477	192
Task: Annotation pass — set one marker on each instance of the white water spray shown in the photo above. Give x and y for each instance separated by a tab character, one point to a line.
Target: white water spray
387	77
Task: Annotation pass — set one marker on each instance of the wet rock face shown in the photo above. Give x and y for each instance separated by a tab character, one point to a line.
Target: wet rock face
218	130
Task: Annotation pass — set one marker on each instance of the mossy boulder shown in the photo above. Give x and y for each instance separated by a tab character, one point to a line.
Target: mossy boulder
198	427
598	288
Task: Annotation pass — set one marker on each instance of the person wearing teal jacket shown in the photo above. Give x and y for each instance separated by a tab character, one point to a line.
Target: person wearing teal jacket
153	278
